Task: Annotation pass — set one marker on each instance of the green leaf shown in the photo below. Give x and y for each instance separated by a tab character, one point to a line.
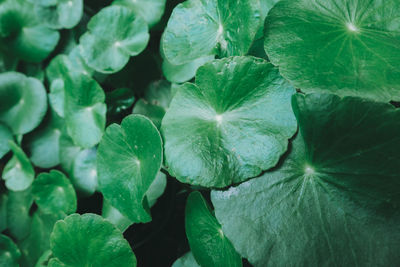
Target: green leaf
68	153
150	10
207	242
44	259
23	102
156	189
333	201
350	48
18	174
5	137
229	126
61	13
184	72
38	240
186	260
89	240
155	102
114	35
18	218
115	217
128	160
84	172
9	252
3	212
204	28
85	111
43	143
23	33
54	193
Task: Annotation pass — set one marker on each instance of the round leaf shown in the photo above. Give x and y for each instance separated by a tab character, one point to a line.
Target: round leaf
89	240
229	126
43	143
150	10
85	111
18	173
207	242
61	13
333	201
22	32
54	193
204	28
5	137
343	47
18	217
9	252
128	160
23	102
114	34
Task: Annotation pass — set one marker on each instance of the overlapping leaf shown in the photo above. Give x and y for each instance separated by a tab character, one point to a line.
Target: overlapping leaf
333	200
82	240
347	47
216	27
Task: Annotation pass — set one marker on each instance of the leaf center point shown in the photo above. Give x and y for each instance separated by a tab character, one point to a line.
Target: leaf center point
352	28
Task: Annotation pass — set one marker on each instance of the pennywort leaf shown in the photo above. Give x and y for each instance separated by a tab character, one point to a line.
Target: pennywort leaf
18	174
204	28
207	241
82	240
9	252
128	160
350	48
150	10
114	34
234	122
333	200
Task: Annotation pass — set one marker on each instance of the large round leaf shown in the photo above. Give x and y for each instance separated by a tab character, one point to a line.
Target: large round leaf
5	137
229	126
334	201
60	14
23	102
114	34
43	143
85	111
150	10
128	160
89	240
344	47
9	252
22	32
18	173
207	242
54	193
203	28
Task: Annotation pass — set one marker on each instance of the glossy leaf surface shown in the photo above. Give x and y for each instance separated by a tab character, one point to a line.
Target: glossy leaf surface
234	122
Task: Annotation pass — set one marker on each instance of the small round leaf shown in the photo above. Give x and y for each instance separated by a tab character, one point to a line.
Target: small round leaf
150	10
89	240
54	193
9	252
23	102
204	28
114	35
18	172
128	160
